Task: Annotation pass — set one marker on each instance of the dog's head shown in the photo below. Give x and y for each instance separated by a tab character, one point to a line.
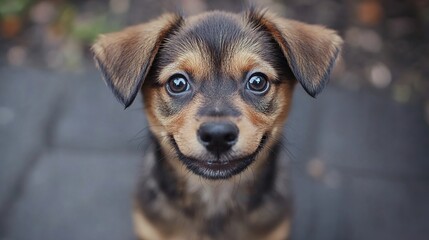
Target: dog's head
217	87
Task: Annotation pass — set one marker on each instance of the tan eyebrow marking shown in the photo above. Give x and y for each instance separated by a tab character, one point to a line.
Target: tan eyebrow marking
241	62
193	63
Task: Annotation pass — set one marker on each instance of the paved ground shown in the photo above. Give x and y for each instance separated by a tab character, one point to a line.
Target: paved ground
70	156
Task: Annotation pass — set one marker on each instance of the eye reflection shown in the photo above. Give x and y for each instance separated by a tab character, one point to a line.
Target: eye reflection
257	83
177	84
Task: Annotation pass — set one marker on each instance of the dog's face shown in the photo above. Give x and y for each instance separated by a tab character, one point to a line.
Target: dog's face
217	87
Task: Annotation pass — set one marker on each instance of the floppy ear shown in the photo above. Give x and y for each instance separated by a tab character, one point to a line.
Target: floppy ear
310	50
125	57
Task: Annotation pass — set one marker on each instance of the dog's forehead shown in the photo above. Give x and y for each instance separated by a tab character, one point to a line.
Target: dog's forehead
214	43
219	33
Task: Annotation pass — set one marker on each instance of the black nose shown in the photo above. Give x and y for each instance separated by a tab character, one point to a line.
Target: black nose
218	137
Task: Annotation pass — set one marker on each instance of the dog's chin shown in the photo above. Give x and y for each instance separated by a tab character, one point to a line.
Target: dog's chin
222	168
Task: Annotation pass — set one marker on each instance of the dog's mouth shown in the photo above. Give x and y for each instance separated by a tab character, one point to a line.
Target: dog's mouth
221	168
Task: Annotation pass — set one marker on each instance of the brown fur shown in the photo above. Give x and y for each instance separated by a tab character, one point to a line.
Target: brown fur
217	51
310	49
124	57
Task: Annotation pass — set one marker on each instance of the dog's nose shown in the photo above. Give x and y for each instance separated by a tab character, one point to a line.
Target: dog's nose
218	137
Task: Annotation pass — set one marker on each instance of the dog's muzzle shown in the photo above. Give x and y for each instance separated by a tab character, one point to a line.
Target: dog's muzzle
218	137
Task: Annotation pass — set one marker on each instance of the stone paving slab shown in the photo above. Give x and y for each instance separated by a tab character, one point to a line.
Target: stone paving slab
317	206
94	119
360	167
77	195
353	207
368	132
28	102
378	209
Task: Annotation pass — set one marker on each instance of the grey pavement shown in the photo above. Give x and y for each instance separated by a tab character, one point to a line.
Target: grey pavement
70	158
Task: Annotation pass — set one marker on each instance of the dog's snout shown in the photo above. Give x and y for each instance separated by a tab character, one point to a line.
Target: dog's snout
218	137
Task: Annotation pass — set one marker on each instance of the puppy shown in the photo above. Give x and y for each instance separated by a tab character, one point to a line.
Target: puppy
217	89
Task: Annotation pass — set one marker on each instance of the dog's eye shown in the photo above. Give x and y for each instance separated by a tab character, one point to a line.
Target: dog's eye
177	84
258	83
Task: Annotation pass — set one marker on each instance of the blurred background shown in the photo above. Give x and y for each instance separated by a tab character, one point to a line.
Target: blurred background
70	154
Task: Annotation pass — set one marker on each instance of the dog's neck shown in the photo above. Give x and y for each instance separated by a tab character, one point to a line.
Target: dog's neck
243	192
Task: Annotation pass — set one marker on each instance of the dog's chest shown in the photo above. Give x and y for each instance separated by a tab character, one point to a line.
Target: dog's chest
191	207
216	198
